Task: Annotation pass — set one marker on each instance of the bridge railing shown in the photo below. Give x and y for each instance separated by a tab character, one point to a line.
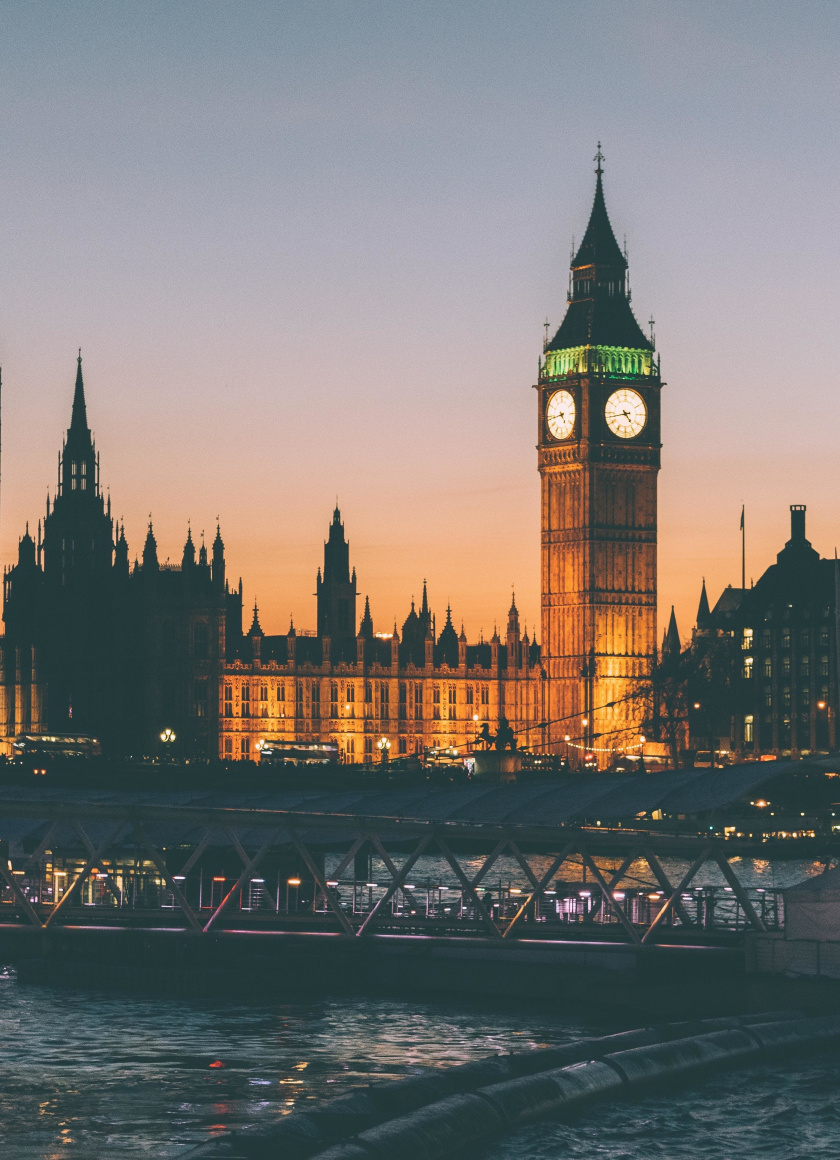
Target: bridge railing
711	908
204	867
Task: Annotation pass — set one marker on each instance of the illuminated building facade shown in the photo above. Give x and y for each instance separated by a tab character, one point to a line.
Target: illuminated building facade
598	432
414	688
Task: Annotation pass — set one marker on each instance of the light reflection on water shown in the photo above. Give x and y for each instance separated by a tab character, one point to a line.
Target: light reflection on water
752	872
85	1075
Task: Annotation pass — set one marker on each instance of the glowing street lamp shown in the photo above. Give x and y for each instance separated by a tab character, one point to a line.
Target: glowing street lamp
383	745
168	739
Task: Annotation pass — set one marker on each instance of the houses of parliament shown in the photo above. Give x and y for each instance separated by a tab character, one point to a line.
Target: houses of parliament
98	646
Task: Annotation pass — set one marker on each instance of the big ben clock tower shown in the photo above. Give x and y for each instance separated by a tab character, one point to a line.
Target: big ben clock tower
599	443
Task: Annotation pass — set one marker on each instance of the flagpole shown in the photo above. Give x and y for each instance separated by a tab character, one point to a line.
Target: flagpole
743	552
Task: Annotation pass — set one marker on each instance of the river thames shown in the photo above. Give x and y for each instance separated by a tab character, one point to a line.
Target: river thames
85	1075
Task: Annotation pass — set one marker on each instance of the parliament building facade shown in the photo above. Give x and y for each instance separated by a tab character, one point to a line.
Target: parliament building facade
98	646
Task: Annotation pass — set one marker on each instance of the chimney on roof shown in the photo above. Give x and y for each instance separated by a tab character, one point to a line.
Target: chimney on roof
797	522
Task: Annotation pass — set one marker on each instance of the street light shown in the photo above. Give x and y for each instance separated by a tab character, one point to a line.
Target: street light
383	745
168	739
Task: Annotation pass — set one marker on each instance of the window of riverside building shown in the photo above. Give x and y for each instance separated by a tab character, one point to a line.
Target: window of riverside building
768	668
263	692
351	694
418	702
350	746
804	666
403	701
243	748
823	638
368	747
436	703
403	745
748	668
747	642
748	729
316	701
246	692
785	638
824	666
368	693
384	701
786	666
786	696
767	638
200	640
228	747
333	700
281	692
768	699
469	694
804	639
804	695
228	701
485	694
453	702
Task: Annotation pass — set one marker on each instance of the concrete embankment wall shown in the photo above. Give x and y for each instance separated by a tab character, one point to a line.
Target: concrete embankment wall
443	1113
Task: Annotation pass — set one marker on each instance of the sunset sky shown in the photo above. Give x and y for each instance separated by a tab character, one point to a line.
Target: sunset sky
307	249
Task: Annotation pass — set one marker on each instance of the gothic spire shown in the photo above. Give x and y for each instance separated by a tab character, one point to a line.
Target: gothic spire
150	557
366	627
671	647
703	611
255	629
599	312
599	246
78	421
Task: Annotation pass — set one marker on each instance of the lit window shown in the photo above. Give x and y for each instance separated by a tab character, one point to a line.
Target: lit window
747	642
748	668
748	729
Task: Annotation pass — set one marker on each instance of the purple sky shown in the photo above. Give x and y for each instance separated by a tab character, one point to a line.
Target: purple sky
308	247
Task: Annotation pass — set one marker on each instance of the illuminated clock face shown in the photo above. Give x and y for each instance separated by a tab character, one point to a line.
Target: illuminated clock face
560	415
625	413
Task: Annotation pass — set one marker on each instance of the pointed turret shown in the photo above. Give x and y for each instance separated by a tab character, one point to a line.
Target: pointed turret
704	615
671	646
447	644
121	553
599	312
255	629
218	572
202	553
188	558
78	420
335	588
150	556
366	627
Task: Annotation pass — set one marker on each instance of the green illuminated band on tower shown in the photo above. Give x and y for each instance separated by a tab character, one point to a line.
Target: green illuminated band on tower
599	360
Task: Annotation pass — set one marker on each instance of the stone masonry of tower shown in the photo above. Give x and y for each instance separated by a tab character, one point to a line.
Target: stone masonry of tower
598	454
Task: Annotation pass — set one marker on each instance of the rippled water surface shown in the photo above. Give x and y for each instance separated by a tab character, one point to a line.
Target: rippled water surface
85	1075
784	1111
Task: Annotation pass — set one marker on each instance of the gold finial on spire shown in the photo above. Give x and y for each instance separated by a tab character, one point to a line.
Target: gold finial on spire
599	157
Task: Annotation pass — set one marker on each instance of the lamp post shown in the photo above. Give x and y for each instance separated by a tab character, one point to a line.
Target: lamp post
168	738
384	746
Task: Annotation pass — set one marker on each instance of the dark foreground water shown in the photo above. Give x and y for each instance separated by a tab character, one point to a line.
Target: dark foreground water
86	1075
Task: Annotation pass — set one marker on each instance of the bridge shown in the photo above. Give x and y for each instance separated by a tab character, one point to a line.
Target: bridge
582	852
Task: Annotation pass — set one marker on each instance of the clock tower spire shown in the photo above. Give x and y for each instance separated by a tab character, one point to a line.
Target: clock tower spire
598	454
